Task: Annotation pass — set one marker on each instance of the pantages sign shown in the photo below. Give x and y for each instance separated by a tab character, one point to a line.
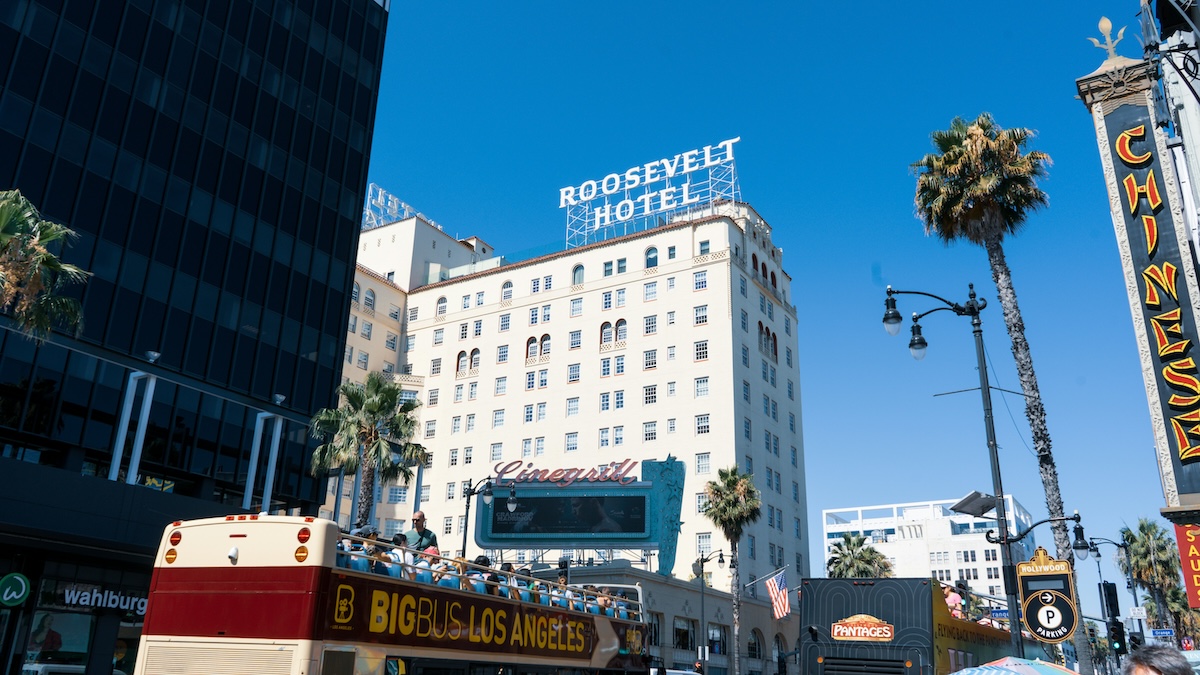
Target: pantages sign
637	196
863	627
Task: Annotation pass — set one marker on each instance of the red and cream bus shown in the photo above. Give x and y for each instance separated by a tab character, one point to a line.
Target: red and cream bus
286	595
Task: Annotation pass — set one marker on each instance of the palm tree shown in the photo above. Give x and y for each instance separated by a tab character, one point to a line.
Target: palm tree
980	186
371	432
854	558
31	273
733	503
1155	561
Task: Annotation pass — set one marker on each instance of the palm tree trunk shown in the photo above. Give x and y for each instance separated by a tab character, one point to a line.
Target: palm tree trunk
735	649
366	494
1035	413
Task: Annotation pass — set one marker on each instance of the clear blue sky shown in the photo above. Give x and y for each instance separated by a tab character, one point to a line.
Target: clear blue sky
486	109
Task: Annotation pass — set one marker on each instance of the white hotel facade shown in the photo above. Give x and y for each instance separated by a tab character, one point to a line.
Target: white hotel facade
674	341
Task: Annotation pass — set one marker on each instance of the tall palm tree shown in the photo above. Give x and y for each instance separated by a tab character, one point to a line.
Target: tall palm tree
31	273
980	186
733	503
371	432
1155	561
854	558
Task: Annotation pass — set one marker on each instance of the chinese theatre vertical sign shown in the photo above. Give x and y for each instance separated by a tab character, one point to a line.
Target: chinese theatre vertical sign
1156	258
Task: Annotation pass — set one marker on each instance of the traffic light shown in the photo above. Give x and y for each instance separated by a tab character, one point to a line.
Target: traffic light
1135	641
1108	590
1116	637
1091	633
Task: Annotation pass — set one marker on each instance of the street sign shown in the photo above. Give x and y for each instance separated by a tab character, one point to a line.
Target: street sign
1163	632
999	613
1048	607
1137	612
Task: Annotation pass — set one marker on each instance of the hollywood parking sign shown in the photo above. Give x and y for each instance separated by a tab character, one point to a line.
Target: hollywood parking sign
636	197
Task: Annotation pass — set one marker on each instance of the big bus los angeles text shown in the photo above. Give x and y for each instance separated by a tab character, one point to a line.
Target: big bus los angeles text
287	595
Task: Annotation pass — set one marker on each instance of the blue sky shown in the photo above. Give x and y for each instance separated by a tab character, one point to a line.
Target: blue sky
486	109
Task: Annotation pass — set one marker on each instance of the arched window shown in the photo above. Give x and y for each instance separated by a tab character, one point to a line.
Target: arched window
462	362
622	329
441	307
369	299
531	348
775	346
754	648
354	293
651	257
545	347
606	333
754	261
577	275
773	284
764	271
506	291
474	359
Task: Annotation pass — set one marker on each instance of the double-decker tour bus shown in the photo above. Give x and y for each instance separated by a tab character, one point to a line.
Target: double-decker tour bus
289	595
894	627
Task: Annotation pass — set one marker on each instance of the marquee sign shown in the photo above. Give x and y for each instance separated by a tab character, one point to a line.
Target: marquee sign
637	198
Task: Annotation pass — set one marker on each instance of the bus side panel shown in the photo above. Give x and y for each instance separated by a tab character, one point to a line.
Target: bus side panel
871	626
251	602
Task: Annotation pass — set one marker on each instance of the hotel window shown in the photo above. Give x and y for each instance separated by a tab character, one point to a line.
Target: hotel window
506	291
529	380
573	372
577	275
451	489
533	316
745	391
770	310
701	315
670	253
354	293
535	285
389	367
670	425
543	378
502	354
604	438
430	428
765	371
541	411
458	393
622	330
701	349
606	300
455	424
649	359
528	413
462	331
352	327
742	286
745	356
671	318
471	422
620	265
745	322
650	291
620	297
650	324
605	398
650	394
619	435
651	257
702	426
795	456
701	386
526	447
576	306
702	462
466	302
497	418
701	502
349	354
619	399
649	431
413	312
546	283
441	307
787	325
572	406
477	328
423	497
605	367
435	367
699	280
791	391
618	365
704	247
791	421
795	492
390	341
775	410
670	389
448	525
497	452
362	360
432	397
397	494
505	322
575	339
572	441
479	299
472	391
545	313
746	427
501	386
539	446
453	457
788	354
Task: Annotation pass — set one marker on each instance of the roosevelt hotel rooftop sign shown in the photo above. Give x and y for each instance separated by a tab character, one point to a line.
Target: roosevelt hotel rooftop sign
649	194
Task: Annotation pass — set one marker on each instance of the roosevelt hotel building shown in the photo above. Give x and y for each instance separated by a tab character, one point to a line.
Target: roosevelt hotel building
678	340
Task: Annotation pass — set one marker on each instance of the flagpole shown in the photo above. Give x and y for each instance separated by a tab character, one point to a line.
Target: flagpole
766	576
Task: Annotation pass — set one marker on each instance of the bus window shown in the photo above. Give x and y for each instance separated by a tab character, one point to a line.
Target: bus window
394	666
338	663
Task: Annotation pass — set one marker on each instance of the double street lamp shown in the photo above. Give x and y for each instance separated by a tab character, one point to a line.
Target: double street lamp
482	487
917	345
698	568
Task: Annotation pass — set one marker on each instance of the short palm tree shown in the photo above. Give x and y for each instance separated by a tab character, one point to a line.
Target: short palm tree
854	558
31	273
981	186
371	432
733	503
1155	561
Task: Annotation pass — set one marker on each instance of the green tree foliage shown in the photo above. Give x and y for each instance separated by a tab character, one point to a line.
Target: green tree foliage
371	432
32	276
1155	561
854	558
733	503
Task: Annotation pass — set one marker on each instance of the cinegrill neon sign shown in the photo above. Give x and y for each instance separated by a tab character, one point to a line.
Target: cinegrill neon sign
686	180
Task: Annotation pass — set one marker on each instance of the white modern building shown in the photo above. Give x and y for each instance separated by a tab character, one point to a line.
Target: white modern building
674	341
927	539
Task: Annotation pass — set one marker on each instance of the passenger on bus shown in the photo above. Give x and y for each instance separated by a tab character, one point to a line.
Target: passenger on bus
423	565
420	537
451	573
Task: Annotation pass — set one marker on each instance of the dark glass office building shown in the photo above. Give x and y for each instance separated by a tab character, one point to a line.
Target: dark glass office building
212	155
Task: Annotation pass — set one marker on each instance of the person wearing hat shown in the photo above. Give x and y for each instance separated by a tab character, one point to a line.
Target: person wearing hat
420	537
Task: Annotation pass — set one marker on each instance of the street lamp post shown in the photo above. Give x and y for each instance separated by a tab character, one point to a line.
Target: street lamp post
698	568
484	487
1094	549
917	346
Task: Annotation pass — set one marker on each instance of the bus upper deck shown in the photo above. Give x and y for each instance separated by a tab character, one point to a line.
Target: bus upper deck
296	592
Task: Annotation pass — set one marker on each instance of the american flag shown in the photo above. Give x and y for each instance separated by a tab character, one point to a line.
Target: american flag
778	590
